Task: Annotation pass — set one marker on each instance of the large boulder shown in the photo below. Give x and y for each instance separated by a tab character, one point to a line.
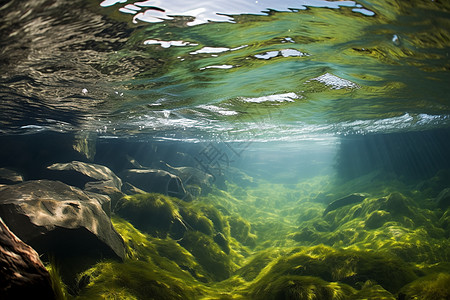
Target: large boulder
156	181
22	274
89	177
61	221
79	173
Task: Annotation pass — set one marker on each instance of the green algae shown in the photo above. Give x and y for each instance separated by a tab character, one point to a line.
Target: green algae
209	254
300	287
377	249
434	286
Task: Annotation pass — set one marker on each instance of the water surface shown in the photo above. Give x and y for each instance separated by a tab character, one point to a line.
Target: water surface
196	70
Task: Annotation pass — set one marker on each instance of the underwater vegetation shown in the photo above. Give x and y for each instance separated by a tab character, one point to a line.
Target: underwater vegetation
224	245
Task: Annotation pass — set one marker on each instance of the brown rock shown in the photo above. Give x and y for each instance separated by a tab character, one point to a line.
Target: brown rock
22	274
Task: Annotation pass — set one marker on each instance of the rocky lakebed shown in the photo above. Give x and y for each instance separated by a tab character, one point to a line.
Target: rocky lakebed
76	229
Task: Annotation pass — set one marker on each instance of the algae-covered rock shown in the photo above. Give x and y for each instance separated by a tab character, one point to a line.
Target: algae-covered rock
208	254
346	266
153	213
344	201
305	234
371	291
432	287
258	262
300	287
398	204
212	213
240	229
443	199
156	181
197	220
377	219
222	241
166	253
136	280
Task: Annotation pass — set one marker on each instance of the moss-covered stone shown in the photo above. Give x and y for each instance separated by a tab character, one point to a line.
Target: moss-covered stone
253	267
377	219
136	280
299	287
240	229
347	266
197	220
152	213
210	256
371	291
434	286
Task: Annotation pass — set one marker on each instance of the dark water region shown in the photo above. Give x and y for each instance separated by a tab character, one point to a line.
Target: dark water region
236	149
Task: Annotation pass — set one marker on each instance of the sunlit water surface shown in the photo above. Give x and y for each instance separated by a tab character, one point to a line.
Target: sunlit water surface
226	70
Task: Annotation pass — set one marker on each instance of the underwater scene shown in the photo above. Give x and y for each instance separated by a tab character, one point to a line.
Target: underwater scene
240	149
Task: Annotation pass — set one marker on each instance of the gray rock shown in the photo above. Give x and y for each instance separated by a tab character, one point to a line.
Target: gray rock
344	201
192	176
130	189
156	181
8	176
78	173
22	274
107	188
62	221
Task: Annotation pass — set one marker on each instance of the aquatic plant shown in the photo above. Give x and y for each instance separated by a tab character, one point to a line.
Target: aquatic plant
291	287
435	286
209	255
240	229
371	291
136	280
58	286
152	213
347	266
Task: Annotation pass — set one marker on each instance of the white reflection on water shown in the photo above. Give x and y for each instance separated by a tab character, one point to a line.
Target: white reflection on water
288	97
220	11
335	82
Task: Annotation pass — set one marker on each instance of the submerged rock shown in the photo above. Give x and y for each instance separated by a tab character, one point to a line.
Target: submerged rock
8	176
192	176
130	189
22	274
349	199
78	173
434	286
156	181
62	221
153	213
377	219
345	266
300	287
107	188
371	291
